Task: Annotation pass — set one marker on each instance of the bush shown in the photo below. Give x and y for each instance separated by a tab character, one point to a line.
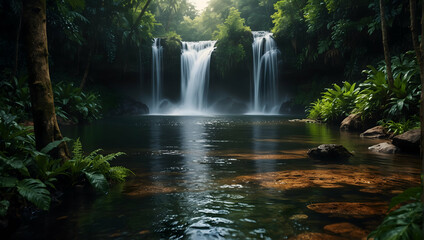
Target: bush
404	222
15	96
402	126
73	104
234	42
397	103
374	98
335	104
28	176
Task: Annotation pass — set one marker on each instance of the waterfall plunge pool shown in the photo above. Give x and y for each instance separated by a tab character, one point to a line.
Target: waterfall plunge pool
226	177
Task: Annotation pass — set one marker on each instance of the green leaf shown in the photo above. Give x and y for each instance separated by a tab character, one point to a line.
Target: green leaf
408	195
36	192
8	182
98	181
54	145
4	206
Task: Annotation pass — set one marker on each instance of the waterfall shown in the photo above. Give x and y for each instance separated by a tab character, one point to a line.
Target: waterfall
195	62
265	73
157	61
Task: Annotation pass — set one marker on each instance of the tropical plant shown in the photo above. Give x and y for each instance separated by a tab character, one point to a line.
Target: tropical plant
94	168
404	222
402	126
28	175
335	103
15	96
75	105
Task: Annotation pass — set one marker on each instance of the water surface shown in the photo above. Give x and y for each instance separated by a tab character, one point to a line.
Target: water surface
223	177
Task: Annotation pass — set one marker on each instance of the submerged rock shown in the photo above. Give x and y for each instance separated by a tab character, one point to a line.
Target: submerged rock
350	209
305	120
316	236
329	152
385	147
337	176
375	132
409	141
299	217
353	122
130	107
230	106
346	230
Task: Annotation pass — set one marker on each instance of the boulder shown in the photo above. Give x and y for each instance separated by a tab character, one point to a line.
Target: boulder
353	122
305	120
130	107
230	106
347	230
329	152
290	107
385	147
408	141
375	132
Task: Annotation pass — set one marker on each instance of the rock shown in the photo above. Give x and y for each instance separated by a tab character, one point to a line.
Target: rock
409	141
375	132
130	107
305	120
336	176
299	217
290	107
346	230
329	152
230	106
385	147
350	209
353	122
316	236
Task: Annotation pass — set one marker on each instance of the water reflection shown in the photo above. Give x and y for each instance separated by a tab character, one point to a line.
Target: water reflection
235	177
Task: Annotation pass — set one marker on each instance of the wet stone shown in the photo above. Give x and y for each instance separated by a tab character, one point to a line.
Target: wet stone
346	230
316	236
350	209
299	217
329	152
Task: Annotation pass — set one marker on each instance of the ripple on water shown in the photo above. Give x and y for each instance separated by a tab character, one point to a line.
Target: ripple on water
209	228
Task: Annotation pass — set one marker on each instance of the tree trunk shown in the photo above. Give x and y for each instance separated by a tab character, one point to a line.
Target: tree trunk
419	50
18	34
386	45
87	69
46	128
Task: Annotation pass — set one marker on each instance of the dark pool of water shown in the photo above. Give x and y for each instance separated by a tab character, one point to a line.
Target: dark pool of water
187	183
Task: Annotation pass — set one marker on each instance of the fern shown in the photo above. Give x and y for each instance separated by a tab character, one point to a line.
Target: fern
35	191
77	152
118	173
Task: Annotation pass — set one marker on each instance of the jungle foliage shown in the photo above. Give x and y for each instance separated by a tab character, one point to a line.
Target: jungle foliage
71	103
29	177
404	222
234	42
373	98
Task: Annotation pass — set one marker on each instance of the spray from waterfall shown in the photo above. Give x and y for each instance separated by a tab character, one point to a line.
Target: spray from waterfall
157	62
265	73
195	64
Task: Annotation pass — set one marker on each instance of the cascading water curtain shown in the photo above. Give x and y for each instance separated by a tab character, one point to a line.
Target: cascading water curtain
265	73
157	61
195	63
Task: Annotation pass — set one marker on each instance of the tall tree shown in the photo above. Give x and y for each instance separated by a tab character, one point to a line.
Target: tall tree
35	36
419	51
386	45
